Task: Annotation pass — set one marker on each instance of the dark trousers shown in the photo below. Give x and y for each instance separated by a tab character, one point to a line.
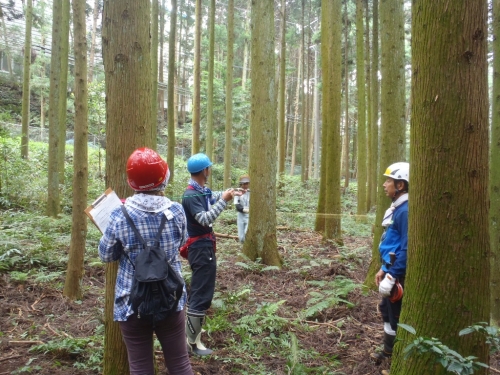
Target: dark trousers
391	310
204	266
138	337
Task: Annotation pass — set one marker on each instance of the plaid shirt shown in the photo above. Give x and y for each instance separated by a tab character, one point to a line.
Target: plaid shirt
119	239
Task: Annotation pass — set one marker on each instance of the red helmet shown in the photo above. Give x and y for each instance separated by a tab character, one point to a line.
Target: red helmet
145	169
396	292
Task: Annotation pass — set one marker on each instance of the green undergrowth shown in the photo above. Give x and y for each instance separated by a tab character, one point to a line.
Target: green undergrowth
34	251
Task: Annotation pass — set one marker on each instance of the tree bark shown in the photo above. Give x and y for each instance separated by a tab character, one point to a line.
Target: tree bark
297	107
53	198
154	70
246	48
304	95
229	95
7	48
75	268
331	52
210	100
347	173
261	237
281	93
95	17
161	93
63	87
495	172
370	163
449	149
375	106
195	145
171	108
317	125
127	63
362	161
26	80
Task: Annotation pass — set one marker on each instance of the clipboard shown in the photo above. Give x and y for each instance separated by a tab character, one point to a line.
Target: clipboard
100	210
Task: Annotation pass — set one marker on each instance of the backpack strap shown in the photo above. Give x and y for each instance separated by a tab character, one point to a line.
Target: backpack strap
141	240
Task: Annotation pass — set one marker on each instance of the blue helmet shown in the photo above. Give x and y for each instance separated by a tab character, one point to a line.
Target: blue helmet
198	162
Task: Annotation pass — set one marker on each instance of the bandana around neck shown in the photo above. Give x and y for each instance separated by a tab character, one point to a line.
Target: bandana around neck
149	203
202	189
390	211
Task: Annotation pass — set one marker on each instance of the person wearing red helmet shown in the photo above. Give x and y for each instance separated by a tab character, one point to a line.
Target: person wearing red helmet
147	175
393	248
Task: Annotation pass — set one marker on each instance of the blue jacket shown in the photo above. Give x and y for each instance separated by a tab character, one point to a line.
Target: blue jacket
395	240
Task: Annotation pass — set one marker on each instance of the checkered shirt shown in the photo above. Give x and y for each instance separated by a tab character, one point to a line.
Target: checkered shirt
119	238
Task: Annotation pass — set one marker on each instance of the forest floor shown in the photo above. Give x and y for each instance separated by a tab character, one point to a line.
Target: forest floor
341	337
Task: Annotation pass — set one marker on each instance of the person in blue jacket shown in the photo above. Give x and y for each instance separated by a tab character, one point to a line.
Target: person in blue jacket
393	254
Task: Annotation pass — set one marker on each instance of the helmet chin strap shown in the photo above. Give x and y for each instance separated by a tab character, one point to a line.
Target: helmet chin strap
395	196
398	192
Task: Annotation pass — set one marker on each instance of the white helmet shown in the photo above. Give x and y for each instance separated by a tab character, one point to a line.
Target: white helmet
399	171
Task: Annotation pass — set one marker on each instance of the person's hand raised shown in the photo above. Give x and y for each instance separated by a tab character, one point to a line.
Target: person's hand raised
228	194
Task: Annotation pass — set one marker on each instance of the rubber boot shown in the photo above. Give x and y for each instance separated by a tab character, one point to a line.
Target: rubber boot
387	352
194	323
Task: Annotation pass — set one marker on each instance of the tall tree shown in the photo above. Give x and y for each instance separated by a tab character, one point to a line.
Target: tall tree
449	149
362	161
316	113
210	101
373	170
127	63
304	94
296	117
95	17
26	79
246	47
63	86
261	239
392	110
53	198
75	270
371	163
161	64
171	89
347	173
495	172
195	144
328	219
6	41
155	12
229	94
281	92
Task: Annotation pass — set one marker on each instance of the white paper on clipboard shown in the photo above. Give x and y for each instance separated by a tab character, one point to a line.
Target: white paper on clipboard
100	210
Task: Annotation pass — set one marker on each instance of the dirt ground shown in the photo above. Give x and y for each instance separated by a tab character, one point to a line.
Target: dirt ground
30	311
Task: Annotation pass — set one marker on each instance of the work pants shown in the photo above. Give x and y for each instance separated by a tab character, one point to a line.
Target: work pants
203	264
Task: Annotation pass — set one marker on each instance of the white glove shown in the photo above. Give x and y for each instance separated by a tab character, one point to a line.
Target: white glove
386	285
246	210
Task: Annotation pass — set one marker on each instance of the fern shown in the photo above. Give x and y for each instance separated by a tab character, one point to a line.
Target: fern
243	265
264	318
42	277
10	258
331	294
